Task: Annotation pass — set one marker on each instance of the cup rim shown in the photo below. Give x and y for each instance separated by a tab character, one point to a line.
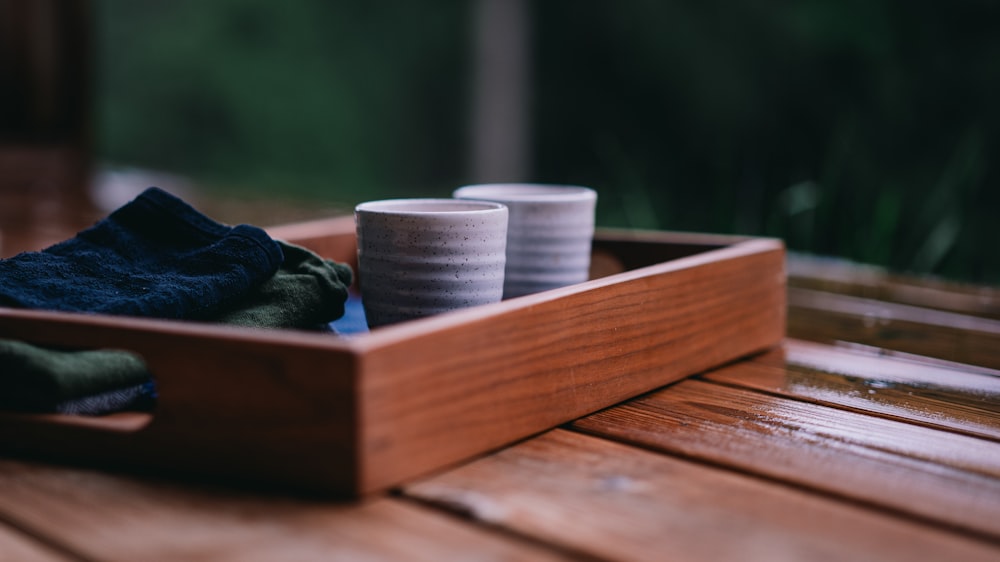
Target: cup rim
425	206
534	192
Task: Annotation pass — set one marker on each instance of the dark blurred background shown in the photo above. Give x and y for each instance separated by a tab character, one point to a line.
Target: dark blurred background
862	129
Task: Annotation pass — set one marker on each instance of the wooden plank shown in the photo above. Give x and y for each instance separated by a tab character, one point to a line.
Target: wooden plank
17	547
827	317
950	479
107	517
870	282
619	502
931	395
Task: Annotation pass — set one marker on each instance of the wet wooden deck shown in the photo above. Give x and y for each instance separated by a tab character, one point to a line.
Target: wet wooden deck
872	433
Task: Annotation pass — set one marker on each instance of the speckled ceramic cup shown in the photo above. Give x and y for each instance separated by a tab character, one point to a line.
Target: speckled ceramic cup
420	257
549	235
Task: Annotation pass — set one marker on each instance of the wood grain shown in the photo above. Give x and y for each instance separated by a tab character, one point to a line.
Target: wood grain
828	317
931	395
938	476
107	517
619	502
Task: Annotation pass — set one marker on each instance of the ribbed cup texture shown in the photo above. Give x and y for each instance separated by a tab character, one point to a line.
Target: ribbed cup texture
421	264
549	233
546	252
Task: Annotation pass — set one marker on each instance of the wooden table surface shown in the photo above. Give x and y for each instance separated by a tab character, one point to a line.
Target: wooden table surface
872	433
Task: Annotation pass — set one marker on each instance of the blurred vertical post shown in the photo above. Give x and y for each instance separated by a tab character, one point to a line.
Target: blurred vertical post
501	104
45	129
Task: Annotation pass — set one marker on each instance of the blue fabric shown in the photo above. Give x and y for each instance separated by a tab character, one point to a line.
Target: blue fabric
353	321
154	257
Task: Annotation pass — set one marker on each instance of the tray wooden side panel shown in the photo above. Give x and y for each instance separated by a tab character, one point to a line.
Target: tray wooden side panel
357	415
233	403
441	390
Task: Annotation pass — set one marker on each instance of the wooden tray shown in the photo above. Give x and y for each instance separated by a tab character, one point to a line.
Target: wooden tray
359	414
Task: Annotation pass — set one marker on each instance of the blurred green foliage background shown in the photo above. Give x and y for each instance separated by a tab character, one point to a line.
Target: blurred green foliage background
866	129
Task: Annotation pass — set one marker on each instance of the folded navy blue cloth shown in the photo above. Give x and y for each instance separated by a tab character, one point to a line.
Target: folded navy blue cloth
154	257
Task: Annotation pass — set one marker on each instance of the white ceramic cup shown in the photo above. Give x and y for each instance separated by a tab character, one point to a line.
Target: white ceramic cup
420	257
549	234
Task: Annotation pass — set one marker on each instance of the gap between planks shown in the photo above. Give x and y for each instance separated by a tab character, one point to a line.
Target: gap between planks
876	283
460	511
829	317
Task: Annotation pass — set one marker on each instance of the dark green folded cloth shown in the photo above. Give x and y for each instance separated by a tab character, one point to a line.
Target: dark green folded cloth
37	379
307	292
